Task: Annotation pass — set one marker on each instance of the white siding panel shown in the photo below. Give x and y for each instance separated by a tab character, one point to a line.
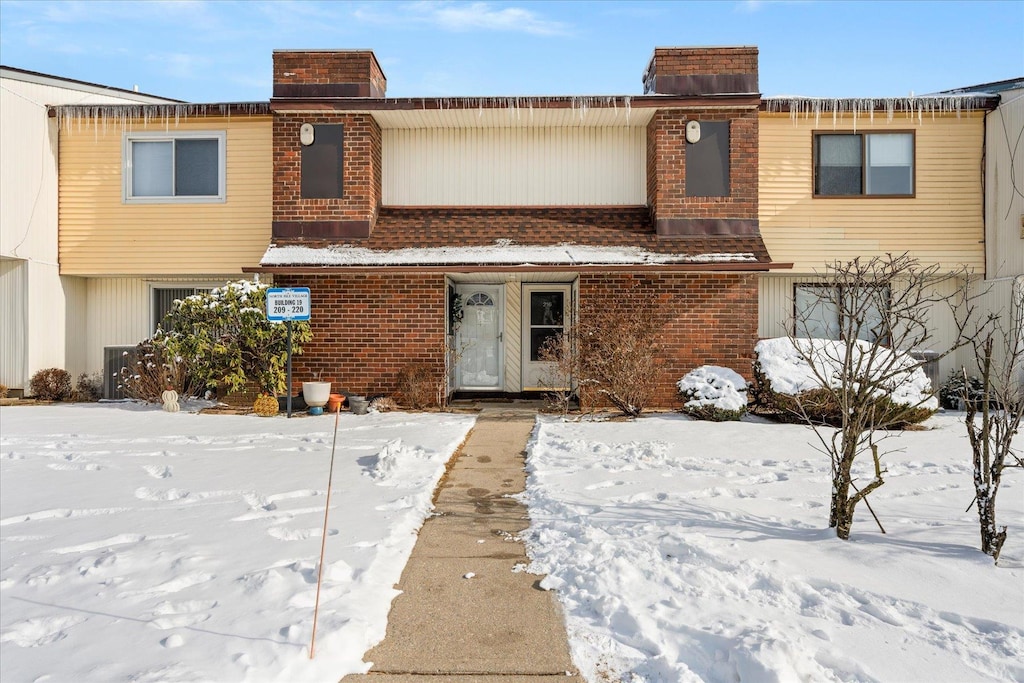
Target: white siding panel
47	315
515	167
1004	204
13	323
119	311
513	339
76	298
998	297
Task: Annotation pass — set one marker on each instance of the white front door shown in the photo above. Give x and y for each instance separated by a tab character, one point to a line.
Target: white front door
547	310
478	339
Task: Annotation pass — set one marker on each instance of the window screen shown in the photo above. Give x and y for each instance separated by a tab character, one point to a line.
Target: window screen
322	163
707	161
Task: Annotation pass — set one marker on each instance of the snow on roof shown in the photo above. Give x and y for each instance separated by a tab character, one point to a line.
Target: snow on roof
500	253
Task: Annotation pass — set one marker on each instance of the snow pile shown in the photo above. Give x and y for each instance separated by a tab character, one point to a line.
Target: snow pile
392	460
782	362
711	386
502	252
149	546
713	561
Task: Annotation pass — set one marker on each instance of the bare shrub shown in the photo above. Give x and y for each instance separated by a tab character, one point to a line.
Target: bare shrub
51	384
560	380
3	390
618	349
881	309
417	385
155	370
88	388
994	415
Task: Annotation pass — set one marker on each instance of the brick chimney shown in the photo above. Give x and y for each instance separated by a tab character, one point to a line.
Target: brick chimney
694	71
327	73
706	185
328	187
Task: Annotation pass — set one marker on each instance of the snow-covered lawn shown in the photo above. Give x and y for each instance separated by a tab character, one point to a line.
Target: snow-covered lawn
698	551
147	546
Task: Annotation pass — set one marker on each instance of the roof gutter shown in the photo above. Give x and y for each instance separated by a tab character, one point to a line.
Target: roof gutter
734	267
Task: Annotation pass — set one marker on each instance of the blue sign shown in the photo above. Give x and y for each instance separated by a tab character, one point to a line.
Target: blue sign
288	303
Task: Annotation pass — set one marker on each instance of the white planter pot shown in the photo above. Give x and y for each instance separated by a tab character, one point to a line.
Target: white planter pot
316	394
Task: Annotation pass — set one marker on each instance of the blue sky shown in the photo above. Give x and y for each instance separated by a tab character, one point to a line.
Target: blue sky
220	51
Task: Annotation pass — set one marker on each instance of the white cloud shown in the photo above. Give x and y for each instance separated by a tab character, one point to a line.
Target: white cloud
462	17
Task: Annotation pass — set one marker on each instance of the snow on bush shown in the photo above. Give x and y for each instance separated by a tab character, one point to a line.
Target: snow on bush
713	393
781	368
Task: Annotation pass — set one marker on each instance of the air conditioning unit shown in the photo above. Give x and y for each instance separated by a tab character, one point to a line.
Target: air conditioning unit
115	358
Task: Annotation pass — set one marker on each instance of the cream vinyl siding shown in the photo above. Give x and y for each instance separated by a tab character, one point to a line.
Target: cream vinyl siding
120	310
942	224
101	235
513	340
515	166
1004	205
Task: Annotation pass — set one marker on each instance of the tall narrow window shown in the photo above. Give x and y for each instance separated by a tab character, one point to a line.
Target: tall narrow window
707	161
322	167
547	319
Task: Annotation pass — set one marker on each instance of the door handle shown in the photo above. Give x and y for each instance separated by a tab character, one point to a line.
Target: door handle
501	335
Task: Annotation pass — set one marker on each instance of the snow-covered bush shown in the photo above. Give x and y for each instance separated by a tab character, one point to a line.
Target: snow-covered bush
785	383
225	337
713	393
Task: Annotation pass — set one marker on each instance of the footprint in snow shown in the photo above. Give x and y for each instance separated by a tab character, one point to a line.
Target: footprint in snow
162	495
158	471
40	631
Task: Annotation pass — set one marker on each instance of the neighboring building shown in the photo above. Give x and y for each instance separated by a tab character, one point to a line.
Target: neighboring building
522	212
157	202
1004	209
39	308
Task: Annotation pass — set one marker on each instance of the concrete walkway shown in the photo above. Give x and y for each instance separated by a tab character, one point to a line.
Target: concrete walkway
498	625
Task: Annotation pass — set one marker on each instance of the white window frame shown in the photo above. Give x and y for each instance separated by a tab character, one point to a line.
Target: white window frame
126	167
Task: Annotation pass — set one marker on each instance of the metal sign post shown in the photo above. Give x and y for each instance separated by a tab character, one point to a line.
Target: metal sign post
285	305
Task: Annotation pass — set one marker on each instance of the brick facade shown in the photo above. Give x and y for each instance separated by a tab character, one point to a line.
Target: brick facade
354	214
701	70
327	73
712	318
666	172
367	327
370	324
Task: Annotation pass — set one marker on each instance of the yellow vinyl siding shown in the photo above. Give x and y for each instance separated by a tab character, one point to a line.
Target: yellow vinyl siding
942	224
101	235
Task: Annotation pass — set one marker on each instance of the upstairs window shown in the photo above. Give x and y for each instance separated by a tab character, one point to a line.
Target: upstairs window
321	164
180	167
707	161
864	164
